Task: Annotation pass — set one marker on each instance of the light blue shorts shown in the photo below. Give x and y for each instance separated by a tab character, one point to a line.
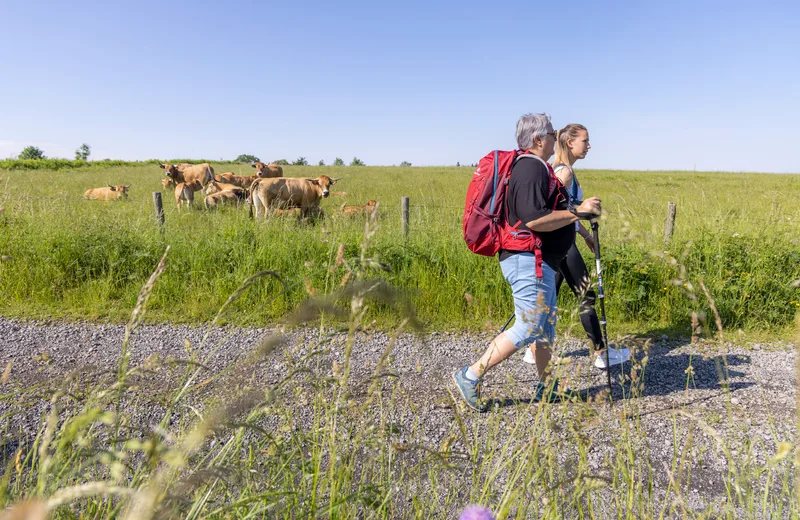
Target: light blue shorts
534	300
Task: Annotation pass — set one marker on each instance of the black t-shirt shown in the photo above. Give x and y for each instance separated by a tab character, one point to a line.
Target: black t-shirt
528	198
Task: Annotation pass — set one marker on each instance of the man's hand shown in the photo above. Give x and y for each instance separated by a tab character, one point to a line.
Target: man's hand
590	205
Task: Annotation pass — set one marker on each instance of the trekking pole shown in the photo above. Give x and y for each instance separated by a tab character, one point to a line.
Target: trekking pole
601	296
506	325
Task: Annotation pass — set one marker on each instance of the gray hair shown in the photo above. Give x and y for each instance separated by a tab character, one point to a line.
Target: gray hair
530	126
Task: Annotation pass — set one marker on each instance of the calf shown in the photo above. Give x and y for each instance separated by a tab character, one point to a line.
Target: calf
234	196
203	173
216	187
184	191
108	193
267	171
305	194
168	183
366	209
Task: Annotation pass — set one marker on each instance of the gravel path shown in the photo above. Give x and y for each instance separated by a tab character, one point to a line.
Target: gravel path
758	412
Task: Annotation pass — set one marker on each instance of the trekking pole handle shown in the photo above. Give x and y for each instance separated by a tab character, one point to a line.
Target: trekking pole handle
581	214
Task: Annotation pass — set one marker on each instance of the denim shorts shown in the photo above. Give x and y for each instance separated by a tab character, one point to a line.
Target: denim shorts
534	300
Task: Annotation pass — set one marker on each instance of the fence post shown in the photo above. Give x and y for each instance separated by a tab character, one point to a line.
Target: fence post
159	207
671	210
404	213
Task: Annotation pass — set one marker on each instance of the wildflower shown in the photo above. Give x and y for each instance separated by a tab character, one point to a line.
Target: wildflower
476	513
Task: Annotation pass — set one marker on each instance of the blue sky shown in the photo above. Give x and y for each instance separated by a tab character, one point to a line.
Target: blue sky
660	85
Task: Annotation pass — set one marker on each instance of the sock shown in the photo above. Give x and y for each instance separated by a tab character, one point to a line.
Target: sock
471	375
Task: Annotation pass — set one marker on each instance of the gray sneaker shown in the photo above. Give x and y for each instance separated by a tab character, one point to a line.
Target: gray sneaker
468	389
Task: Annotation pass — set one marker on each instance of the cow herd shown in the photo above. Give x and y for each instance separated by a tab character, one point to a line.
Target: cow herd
267	191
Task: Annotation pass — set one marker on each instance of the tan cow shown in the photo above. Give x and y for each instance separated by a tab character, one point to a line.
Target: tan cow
366	209
168	183
195	172
184	191
216	187
235	196
290	193
108	193
238	180
267	171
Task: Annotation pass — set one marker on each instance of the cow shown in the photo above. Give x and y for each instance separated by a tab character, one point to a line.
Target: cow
108	193
366	209
195	172
290	193
184	191
267	171
238	180
234	196
168	183
216	187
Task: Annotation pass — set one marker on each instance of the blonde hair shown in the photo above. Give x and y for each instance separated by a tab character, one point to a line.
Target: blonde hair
571	131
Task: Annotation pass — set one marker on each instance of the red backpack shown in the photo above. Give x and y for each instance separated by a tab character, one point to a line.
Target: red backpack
486	226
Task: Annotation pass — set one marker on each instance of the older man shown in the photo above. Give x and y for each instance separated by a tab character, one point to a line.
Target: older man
529	200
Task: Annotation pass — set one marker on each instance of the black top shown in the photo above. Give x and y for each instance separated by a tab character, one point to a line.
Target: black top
528	198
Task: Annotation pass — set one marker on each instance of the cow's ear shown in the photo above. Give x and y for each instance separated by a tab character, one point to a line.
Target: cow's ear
163	166
127	187
333	181
112	188
253	165
314	181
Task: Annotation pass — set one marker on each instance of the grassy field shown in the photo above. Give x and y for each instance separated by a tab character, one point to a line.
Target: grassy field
65	257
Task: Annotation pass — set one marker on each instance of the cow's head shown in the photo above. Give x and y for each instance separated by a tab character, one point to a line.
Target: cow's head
261	169
123	190
168	183
212	187
324	182
371	204
170	170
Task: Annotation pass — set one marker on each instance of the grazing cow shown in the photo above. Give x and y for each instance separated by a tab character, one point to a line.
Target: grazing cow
216	187
290	193
195	172
108	193
238	180
235	196
184	191
366	209
168	183
267	171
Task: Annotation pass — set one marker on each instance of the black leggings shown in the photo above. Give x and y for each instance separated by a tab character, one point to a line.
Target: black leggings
573	270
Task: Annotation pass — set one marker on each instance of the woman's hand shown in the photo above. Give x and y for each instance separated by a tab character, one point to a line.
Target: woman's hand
589	241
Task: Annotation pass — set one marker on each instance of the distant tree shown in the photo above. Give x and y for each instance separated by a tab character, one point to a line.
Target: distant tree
282	162
458	163
357	162
405	163
246	158
31	152
321	163
300	161
338	162
82	153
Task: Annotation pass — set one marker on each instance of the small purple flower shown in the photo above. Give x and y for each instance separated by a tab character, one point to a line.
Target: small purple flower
476	513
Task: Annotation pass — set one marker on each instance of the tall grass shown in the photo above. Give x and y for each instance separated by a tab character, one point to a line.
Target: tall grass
85	259
322	442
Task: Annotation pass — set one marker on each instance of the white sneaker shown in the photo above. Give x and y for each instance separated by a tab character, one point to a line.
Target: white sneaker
529	357
616	356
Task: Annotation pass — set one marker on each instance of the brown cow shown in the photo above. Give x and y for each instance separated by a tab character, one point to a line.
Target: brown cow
216	187
267	171
234	196
108	193
196	172
184	191
290	193
366	209
238	180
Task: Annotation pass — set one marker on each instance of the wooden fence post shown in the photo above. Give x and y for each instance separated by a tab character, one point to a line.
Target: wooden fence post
404	213
159	207
671	210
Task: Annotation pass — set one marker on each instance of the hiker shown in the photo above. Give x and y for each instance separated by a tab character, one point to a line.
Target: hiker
531	201
572	144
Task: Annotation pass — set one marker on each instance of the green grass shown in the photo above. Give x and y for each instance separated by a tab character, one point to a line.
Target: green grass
77	259
229	446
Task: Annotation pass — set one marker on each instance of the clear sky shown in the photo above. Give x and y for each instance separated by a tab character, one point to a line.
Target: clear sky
706	85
